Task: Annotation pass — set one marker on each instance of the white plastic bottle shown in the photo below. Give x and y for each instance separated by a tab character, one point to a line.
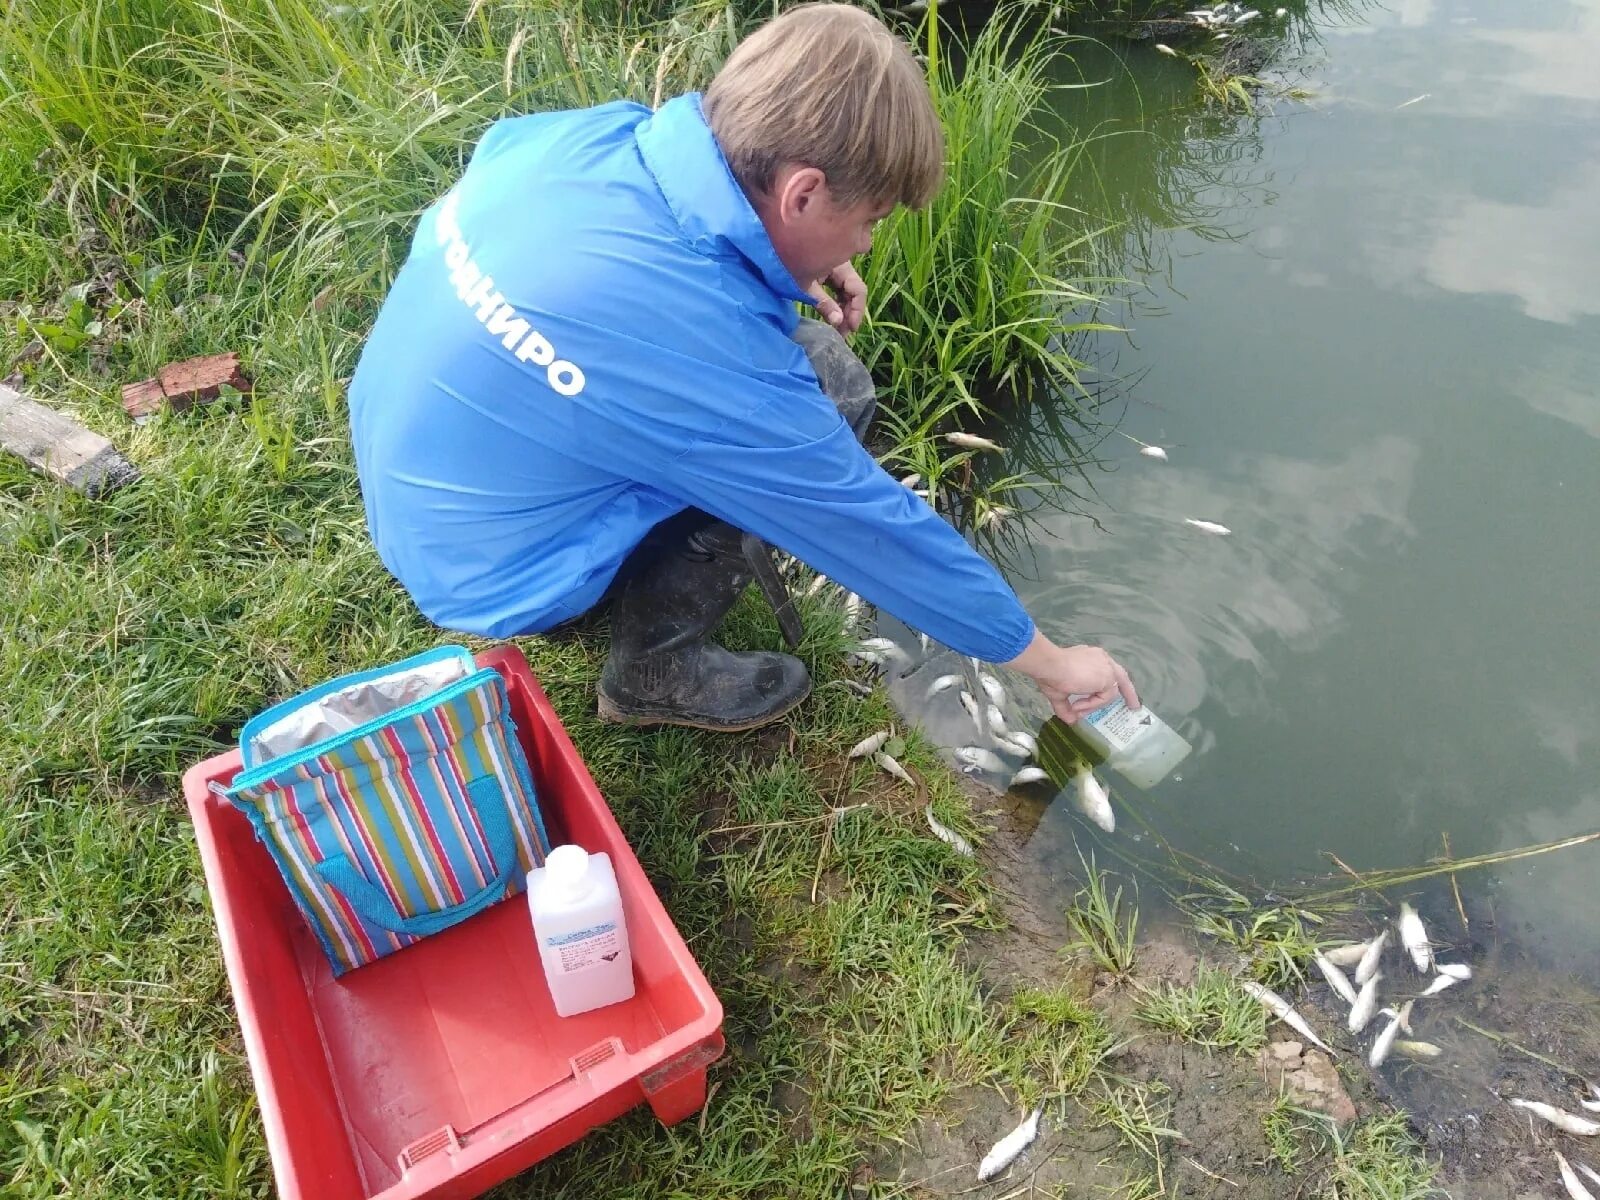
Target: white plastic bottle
1135	743
578	923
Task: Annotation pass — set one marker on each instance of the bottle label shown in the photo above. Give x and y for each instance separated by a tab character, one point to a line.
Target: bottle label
584	948
1120	725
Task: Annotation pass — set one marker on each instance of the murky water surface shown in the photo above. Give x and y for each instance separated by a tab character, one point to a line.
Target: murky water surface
1373	352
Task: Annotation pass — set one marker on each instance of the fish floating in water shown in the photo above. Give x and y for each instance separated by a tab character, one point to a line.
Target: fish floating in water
1440	982
1094	802
1368	966
997	721
1417	1049
976	758
1346	956
1164	49
1037	775
970	703
1335	977
947	835
1366	1004
1560	1118
1414	937
1009	1148
870	744
942	684
971	441
1381	1047
1208	527
1281	1009
1458	971
892	765
1156	452
1023	743
992	688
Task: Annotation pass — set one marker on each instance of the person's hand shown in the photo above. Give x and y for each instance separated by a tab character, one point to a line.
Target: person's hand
841	298
1075	679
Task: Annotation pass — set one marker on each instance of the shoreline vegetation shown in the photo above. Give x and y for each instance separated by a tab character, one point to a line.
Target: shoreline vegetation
180	178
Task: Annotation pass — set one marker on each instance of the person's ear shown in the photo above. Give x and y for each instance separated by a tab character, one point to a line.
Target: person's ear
799	191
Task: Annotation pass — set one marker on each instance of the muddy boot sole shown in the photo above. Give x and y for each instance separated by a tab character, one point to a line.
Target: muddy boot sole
610	711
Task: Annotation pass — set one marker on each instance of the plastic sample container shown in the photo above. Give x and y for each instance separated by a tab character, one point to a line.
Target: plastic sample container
443	1069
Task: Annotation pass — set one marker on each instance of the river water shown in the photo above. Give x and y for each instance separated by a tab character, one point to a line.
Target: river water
1367	331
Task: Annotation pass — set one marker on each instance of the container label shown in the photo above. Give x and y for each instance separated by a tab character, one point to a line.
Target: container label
584	948
1120	725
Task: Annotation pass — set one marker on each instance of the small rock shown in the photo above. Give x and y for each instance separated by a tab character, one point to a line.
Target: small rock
1309	1078
1285	1051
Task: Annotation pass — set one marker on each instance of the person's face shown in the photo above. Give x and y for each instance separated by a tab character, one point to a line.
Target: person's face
812	233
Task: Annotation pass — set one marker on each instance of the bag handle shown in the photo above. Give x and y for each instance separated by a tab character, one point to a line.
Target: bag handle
372	903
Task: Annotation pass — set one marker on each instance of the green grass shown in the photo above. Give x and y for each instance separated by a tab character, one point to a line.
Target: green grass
1103	926
1212	1011
1373	1159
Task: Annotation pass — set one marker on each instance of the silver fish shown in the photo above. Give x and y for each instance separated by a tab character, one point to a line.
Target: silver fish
1385	1042
1038	775
879	644
1208	527
969	703
1279	1008
1366	1004
1025	743
1455	970
816	585
1164	49
1414	937
976	758
997	721
1280	12
1368	966
1346	956
890	764
942	684
971	441
1009	1148
1095	803
1575	1188
947	835
1440	982
997	514
1591	1105
1335	977
924	641
1560	1118
1417	1049
1591	1174
910	481
869	745
1156	452
992	688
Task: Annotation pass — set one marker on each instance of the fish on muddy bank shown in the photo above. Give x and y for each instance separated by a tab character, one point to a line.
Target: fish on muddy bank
1335	977
1009	1148
947	835
1560	1118
1366	1004
1368	966
1346	956
1414	937
1094	802
870	744
1280	1008
1570	1180
892	765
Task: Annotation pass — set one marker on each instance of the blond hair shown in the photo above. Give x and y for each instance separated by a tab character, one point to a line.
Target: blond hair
828	86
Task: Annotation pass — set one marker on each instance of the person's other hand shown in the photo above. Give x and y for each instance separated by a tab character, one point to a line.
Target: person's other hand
1076	680
841	298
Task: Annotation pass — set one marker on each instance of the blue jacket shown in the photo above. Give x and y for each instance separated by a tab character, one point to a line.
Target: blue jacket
591	334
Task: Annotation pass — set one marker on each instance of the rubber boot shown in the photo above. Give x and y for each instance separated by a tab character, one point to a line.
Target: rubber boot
663	668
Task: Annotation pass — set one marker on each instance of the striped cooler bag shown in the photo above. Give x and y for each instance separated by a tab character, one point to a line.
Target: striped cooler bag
396	802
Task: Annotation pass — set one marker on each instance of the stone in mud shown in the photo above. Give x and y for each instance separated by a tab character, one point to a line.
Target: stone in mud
1309	1077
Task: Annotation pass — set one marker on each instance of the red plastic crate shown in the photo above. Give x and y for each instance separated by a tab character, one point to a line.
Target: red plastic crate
443	1069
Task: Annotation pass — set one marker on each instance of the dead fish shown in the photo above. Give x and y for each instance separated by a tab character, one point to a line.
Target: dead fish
1346	956
1008	1148
1164	49
1025	743
891	765
1156	452
924	641
1281	12
852	610
1591	1174
816	585
1366	1004
1417	1049
1575	1188
1368	966
1560	1118
1335	977
1095	803
1280	1008
992	688
997	514
942	684
869	745
976	758
910	481
1414	937
970	703
971	441
947	835
1038	775
1455	970
997	721
1591	1105
1440	982
1385	1042
1208	527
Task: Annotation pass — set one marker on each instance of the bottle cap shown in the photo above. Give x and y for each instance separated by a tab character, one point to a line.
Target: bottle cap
567	870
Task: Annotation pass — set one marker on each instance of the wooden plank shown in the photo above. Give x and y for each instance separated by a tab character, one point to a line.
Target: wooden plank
184	384
59	447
